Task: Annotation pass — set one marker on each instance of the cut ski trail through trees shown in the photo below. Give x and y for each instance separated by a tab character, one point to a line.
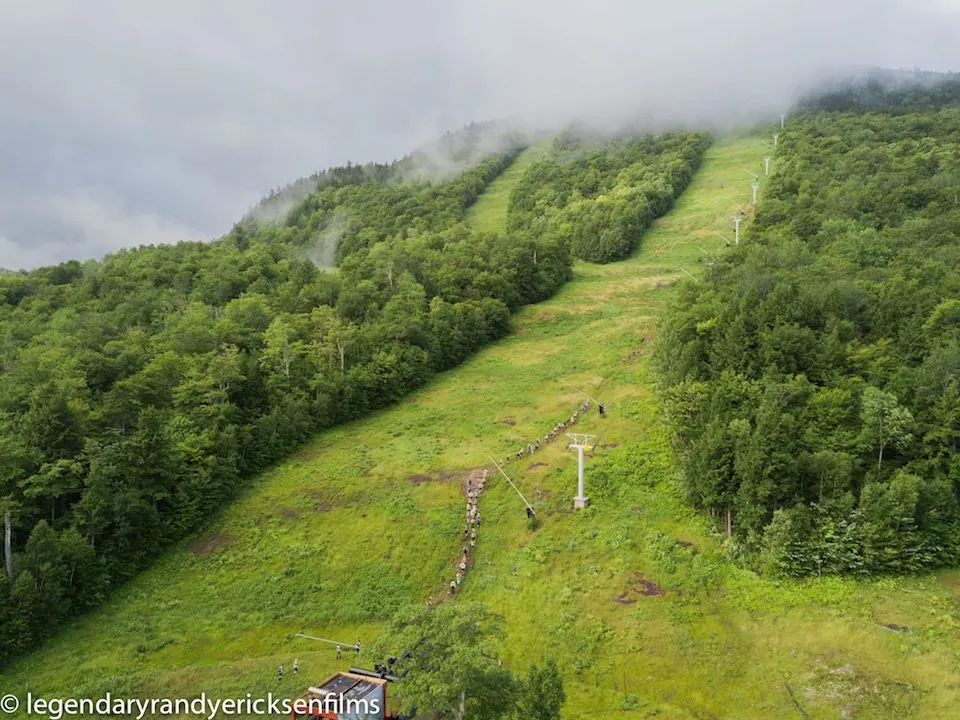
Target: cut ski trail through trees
223	621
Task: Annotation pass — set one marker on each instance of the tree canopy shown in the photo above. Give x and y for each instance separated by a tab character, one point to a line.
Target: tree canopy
603	195
811	379
138	393
450	667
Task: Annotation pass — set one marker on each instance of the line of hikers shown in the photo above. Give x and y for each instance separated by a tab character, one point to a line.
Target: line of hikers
470	531
531	448
296	661
473	494
296	669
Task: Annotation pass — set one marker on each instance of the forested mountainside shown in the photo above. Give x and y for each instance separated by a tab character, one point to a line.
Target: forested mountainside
812	379
603	199
434	162
138	392
889	91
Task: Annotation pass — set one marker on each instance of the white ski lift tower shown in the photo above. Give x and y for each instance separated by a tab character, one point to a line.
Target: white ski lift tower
580	442
776	139
737	220
783	120
755	186
766	165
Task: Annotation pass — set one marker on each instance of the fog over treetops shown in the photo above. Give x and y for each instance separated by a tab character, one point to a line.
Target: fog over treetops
131	123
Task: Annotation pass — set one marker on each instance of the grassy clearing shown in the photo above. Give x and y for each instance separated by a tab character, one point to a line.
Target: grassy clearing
489	212
369	515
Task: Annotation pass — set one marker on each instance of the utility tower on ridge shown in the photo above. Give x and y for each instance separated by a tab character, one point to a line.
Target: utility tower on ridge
580	442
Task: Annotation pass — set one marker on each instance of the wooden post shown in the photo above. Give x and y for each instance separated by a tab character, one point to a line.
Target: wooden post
729	524
7	546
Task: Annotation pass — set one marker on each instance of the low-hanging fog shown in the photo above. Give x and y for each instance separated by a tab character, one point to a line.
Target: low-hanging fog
125	123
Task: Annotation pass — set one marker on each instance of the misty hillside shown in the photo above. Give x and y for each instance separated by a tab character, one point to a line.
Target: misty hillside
454	152
887	90
208	448
138	393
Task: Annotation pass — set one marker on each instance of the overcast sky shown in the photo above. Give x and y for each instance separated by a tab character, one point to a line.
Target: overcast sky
125	122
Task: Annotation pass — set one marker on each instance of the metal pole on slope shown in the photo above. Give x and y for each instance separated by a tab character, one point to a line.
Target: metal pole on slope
346	646
725	239
677	267
574	387
502	472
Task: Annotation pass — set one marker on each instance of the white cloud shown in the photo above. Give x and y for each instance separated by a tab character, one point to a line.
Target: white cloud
187	109
16	257
87	223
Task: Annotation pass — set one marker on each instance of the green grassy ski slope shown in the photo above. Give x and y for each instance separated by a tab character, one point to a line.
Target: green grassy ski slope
489	212
632	596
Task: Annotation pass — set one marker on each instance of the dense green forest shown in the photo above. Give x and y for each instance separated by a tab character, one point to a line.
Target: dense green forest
889	91
604	197
138	392
436	161
812	378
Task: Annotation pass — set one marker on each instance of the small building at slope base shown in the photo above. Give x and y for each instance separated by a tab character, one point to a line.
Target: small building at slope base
345	696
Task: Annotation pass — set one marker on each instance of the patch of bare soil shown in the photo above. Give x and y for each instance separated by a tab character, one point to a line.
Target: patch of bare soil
536	465
433	476
325	501
205	546
638	586
897	628
507	421
289	513
476	478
